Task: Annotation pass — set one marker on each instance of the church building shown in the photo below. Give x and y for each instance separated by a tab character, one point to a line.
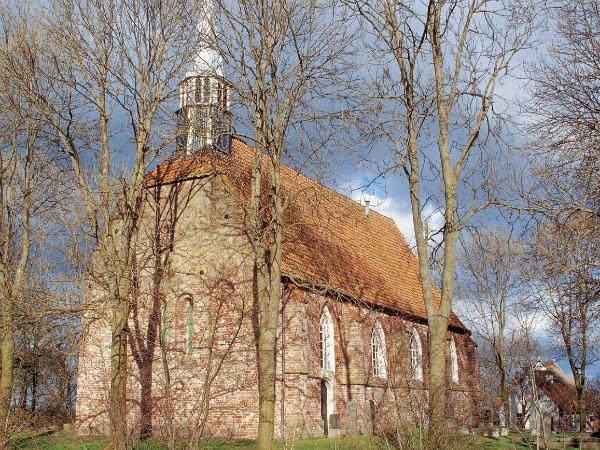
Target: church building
353	339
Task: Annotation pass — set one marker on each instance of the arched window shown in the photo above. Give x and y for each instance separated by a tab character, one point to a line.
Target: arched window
416	355
453	361
326	330
378	353
189	335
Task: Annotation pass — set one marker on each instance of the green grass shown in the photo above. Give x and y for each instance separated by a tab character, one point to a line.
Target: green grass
218	444
501	443
59	440
68	440
514	441
346	442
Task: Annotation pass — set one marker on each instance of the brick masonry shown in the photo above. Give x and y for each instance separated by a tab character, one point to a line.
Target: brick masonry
213	390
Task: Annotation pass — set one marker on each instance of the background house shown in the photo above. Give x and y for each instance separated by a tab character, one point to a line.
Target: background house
547	396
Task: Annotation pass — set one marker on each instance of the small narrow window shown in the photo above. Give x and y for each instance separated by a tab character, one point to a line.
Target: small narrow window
225	94
198	90
190	325
191	82
416	355
378	354
326	331
207	90
453	361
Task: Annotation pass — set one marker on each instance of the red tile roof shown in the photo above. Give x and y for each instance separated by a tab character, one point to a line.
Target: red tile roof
329	242
558	386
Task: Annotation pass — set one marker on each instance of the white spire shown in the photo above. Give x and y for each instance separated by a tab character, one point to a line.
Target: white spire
207	59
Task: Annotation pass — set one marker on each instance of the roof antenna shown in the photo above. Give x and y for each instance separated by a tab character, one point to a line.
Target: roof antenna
367	206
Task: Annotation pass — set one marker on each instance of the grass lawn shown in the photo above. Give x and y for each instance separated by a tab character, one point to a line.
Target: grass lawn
515	441
59	440
68	440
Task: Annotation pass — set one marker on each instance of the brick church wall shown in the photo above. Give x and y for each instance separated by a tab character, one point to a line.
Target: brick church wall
213	391
373	402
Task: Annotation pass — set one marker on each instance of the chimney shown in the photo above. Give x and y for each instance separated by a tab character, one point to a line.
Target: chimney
367	206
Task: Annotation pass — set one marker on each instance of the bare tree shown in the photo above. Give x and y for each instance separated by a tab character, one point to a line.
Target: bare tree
492	278
46	349
16	204
29	189
564	144
565	128
565	265
565	112
283	57
103	82
441	62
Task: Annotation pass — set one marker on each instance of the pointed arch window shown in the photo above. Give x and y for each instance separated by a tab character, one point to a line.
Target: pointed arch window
416	355
453	361
327	351
378	353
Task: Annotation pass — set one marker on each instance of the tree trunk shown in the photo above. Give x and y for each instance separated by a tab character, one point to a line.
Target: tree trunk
6	377
146	402
164	289
581	409
118	385
266	381
146	350
269	315
438	326
10	294
504	392
501	365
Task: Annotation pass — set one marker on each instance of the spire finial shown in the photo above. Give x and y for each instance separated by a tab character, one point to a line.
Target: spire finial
204	119
207	59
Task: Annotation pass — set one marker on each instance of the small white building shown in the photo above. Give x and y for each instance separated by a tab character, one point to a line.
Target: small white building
545	397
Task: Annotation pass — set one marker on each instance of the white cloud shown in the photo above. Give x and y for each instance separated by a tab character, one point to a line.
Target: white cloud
400	213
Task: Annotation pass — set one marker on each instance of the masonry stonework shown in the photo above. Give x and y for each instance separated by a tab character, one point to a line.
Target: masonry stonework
208	387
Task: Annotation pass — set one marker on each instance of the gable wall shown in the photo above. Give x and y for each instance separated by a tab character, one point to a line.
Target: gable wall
210	261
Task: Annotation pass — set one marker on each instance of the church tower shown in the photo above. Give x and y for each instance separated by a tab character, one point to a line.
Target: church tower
203	117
